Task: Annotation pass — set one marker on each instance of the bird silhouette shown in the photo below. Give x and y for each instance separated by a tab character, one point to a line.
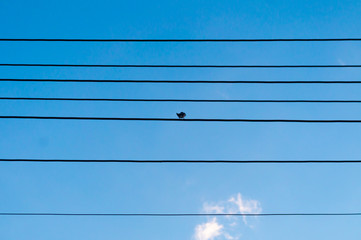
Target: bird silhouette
181	115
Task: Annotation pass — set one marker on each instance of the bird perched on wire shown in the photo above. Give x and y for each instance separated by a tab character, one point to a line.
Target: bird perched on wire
181	115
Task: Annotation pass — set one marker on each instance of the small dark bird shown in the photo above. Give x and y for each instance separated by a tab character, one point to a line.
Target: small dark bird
181	115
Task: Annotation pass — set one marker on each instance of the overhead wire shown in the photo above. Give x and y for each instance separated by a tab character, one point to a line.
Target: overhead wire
186	119
174	66
178	100
177	214
185	81
190	161
180	40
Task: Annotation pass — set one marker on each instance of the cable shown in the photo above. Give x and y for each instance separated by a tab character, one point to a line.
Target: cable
180	214
182	40
172	66
177	100
182	81
184	120
178	161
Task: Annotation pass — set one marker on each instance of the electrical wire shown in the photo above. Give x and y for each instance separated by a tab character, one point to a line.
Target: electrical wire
179	214
173	66
182	40
178	161
177	100
187	119
185	81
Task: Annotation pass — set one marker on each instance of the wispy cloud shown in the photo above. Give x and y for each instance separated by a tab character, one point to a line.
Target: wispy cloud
208	230
341	62
246	206
209	208
226	228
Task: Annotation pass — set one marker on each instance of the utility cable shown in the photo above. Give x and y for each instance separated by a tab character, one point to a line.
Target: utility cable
177	100
187	119
179	214
181	40
173	66
178	161
185	81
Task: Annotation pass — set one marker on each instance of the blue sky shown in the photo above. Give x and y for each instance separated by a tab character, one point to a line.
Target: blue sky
109	188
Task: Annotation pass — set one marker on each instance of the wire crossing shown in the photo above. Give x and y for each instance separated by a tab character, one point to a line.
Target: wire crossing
178	214
184	81
177	161
180	40
187	119
173	66
177	100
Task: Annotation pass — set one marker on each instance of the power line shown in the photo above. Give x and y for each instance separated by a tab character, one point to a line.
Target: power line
177	100
184	81
182	40
178	161
180	214
173	66
186	120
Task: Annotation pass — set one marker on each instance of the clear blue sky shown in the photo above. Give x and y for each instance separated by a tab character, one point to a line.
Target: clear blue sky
109	188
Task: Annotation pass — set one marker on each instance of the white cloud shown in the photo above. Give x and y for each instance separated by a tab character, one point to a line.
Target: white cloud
246	206
229	228
208	230
229	237
208	208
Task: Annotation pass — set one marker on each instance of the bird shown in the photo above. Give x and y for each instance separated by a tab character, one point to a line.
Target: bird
181	115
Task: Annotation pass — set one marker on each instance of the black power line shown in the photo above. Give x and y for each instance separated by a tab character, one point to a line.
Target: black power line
182	40
187	119
177	100
177	161
173	66
185	81
179	214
